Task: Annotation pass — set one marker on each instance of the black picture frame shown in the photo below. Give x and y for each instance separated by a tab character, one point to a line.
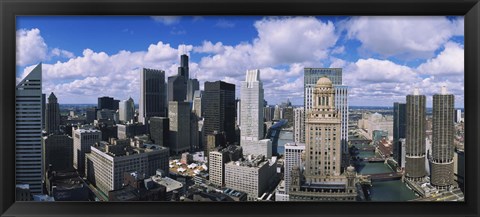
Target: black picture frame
11	8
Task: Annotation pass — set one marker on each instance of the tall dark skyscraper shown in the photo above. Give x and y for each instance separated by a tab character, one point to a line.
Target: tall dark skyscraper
177	88
159	130
152	95
106	103
178	84
443	137
58	152
52	115
415	137
219	112
399	128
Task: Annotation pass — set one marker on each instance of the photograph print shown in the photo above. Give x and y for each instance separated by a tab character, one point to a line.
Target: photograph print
240	108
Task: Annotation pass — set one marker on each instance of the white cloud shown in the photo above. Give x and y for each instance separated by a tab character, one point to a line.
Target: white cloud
209	47
293	39
31	48
167	20
448	62
61	53
339	50
404	37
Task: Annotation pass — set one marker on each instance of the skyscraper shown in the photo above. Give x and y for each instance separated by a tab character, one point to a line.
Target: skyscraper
399	128
107	103
192	86
28	133
83	139
323	150
52	115
126	110
58	152
219	115
159	130
44	107
415	137
179	123
178	84
311	76
443	137
152	95
299	125
293	153
198	105
251	128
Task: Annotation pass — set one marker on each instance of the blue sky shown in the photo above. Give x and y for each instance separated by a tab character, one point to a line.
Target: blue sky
383	58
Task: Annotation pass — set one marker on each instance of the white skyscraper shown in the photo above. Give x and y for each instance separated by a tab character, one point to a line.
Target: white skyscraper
28	134
83	139
293	153
251	108
299	126
126	110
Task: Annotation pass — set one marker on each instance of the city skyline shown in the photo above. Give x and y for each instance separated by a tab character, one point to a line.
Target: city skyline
429	55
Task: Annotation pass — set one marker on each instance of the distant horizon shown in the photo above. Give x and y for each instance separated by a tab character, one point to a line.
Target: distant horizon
136	105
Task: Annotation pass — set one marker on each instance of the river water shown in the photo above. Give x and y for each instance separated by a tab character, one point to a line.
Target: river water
387	191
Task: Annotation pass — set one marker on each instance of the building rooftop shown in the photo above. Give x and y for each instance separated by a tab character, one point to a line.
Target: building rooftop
169	183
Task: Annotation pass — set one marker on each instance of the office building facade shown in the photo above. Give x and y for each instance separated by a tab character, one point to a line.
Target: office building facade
252	176
107	163
293	154
219	115
57	152
159	130
311	76
152	95
252	103
442	140
83	140
322	178
126	110
179	123
28	131
299	125
415	137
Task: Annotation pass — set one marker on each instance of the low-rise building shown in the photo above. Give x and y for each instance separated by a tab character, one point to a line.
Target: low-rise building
252	175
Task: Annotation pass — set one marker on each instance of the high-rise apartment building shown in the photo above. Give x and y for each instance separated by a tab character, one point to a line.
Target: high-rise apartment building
443	136
299	125
219	115
399	129
52	115
83	139
28	131
126	110
179	123
152	95
415	137
311	76
293	153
